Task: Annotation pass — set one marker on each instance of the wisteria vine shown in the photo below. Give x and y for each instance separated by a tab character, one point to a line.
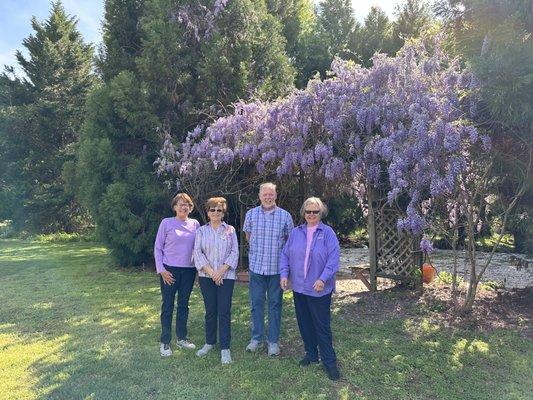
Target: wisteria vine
404	124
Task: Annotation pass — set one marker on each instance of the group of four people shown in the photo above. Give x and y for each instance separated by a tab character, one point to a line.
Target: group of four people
306	256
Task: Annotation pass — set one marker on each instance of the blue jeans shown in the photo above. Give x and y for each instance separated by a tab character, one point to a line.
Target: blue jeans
259	286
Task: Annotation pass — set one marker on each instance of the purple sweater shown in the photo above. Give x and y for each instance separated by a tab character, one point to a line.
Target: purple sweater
174	243
323	260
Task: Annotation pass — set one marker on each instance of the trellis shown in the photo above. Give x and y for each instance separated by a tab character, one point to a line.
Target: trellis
394	255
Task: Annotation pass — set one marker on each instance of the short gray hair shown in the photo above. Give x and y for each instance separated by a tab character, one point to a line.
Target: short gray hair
314	200
267	185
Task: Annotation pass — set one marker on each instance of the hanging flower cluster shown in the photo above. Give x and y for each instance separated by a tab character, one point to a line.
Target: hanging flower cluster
403	124
198	19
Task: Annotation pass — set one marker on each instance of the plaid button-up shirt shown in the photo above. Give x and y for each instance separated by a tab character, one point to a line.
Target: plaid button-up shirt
268	233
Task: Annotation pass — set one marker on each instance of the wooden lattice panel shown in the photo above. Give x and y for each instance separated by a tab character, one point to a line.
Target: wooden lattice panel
393	255
394	251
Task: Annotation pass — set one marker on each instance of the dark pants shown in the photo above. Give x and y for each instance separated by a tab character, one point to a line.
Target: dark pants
183	284
314	321
217	301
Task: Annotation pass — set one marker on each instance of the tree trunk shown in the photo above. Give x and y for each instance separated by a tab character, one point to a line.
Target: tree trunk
471	254
454	269
470	297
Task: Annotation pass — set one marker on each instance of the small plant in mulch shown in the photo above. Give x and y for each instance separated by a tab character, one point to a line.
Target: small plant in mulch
496	308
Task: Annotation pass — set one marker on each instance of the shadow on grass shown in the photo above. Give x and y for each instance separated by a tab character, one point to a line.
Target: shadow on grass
395	350
93	331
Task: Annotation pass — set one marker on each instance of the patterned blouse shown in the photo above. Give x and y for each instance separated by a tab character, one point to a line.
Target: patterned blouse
216	247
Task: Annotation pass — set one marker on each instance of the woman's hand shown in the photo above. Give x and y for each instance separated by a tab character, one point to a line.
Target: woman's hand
167	277
208	270
218	275
284	283
319	285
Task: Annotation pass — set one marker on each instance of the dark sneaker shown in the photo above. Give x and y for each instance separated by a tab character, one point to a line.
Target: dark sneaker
304	362
333	372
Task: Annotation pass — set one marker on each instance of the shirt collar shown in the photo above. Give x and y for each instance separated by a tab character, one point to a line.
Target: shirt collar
320	226
268	211
223	224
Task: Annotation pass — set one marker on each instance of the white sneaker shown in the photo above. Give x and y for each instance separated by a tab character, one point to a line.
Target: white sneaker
253	346
273	349
204	350
164	349
185	344
225	356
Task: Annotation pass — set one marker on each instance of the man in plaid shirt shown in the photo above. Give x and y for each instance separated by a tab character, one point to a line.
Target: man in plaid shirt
267	228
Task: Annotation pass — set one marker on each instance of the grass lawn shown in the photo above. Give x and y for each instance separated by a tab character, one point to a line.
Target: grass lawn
74	326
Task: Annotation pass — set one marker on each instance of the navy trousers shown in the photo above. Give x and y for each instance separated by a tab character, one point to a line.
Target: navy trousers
183	284
217	301
314	321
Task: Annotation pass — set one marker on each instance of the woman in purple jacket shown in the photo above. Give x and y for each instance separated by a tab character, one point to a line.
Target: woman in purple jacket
173	250
310	260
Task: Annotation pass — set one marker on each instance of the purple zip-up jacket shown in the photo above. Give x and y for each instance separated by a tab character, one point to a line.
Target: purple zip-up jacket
323	259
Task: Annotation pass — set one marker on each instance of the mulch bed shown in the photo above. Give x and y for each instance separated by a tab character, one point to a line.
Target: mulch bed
493	309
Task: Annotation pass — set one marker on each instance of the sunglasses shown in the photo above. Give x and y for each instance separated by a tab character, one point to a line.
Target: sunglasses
216	210
315	212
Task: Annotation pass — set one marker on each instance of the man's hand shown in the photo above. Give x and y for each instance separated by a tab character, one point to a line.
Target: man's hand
284	283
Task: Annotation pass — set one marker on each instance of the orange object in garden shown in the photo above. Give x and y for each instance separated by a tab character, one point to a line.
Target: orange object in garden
428	272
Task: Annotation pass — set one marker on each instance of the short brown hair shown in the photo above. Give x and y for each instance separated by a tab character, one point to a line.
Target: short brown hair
215	201
184	197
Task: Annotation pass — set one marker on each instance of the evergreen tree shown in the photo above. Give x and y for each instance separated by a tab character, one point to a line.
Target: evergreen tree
376	35
495	39
195	59
117	183
40	118
121	37
305	47
243	61
338	24
296	17
411	18
198	62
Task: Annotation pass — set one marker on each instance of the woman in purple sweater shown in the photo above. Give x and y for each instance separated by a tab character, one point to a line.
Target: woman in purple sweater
310	260
173	250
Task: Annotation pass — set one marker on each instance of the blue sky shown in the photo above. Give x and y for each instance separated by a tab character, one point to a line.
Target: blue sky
15	17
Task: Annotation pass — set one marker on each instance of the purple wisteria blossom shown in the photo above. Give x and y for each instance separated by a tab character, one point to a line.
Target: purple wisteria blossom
426	246
401	126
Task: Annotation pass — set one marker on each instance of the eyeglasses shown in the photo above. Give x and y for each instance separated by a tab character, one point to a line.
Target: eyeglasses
315	212
183	205
216	210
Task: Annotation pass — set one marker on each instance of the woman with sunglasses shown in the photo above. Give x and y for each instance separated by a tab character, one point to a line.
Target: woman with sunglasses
310	260
216	253
173	249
